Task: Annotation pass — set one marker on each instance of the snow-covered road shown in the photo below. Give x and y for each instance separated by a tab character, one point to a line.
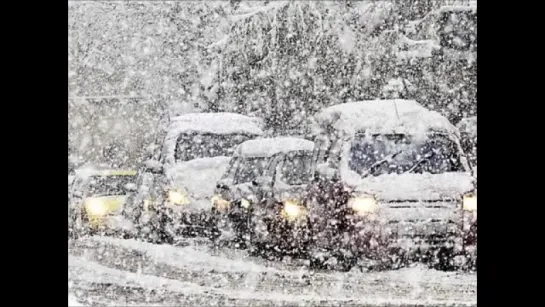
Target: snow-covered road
106	271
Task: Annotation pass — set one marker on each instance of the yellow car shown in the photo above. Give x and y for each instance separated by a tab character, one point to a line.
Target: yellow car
97	200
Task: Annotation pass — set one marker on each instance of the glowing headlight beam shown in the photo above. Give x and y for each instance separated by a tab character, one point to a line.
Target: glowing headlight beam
470	203
96	207
176	197
363	205
245	203
220	204
292	210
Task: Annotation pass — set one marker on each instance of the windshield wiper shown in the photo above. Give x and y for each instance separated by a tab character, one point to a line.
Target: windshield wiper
425	158
378	163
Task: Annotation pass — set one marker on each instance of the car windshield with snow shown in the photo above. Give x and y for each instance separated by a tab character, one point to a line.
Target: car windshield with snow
195	153
97	198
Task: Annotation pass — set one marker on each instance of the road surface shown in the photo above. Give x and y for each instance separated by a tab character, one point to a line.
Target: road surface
106	271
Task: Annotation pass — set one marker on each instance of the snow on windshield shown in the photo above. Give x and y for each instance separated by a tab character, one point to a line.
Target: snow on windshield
249	169
436	154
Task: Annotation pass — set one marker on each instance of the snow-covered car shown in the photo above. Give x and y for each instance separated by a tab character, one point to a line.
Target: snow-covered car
194	154
391	180
262	173
468	132
96	199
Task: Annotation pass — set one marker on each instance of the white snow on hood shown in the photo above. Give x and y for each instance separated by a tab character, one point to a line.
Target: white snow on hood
198	177
417	186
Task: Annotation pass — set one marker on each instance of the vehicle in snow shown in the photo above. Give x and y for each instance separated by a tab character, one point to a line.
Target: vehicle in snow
262	169
468	132
194	153
96	199
392	180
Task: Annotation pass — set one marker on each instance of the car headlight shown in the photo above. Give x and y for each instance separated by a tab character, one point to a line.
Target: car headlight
469	202
292	210
176	197
220	204
363	204
245	203
96	207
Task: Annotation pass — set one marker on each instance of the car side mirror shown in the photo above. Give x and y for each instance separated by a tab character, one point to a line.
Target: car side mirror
153	166
262	180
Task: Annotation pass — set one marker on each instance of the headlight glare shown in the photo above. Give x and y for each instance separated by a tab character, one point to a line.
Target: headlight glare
293	210
96	207
469	202
176	197
245	203
363	205
219	203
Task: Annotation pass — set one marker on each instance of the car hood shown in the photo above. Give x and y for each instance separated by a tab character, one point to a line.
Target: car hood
197	177
415	187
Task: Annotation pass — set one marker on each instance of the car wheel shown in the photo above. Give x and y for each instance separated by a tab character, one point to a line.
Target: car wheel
155	228
443	260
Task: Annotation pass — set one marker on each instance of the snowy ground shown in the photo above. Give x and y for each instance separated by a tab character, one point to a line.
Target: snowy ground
106	271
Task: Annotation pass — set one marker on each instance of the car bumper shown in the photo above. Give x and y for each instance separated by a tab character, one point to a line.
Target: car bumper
367	238
177	221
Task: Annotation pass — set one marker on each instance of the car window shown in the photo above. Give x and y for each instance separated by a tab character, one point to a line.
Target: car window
297	168
250	168
191	146
231	169
434	154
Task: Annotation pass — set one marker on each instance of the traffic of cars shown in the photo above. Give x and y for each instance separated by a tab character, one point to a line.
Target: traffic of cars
377	183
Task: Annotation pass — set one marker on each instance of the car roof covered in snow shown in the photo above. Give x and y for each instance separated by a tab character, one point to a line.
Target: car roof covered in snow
216	123
382	116
468	125
266	147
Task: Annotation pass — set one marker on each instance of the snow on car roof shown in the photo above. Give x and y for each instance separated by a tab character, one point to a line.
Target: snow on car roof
383	116
217	123
214	123
468	125
266	147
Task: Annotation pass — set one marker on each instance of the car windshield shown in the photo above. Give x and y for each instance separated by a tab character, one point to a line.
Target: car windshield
198	145
433	154
296	169
250	168
109	185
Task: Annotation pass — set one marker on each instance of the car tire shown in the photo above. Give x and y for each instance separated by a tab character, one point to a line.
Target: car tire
156	229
